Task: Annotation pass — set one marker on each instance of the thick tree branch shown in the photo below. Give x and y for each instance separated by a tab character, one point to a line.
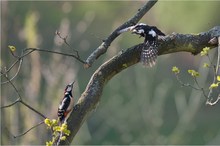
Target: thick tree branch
107	42
92	94
189	42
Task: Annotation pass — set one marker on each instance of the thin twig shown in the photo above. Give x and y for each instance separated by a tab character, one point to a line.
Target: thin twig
28	106
213	103
55	52
189	85
19	59
13	86
20	100
200	88
6	71
16	101
184	84
65	41
13	54
19	67
28	130
216	69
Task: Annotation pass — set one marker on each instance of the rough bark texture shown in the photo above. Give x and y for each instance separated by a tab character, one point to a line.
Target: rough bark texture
170	44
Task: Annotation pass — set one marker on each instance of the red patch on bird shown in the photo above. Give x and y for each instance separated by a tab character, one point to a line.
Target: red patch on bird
66	113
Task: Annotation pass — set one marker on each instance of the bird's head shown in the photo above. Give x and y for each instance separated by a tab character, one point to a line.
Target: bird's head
69	87
150	33
140	29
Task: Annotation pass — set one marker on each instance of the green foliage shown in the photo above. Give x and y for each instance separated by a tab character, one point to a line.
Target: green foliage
50	143
193	73
12	48
205	65
218	78
175	70
205	51
59	131
215	85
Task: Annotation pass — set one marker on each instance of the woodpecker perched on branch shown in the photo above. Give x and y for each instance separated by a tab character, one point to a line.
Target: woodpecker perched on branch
67	103
150	33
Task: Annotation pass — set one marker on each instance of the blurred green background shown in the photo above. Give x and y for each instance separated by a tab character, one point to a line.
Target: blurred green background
139	105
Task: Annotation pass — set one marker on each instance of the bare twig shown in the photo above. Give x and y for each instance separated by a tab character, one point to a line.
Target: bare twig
22	134
19	67
19	99
65	41
13	54
107	42
200	88
16	90
55	52
216	72
19	59
191	86
185	84
27	51
13	103
31	108
209	102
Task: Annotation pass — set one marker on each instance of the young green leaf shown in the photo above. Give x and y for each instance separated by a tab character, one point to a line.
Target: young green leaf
205	51
12	48
213	85
218	78
50	143
205	65
175	70
193	73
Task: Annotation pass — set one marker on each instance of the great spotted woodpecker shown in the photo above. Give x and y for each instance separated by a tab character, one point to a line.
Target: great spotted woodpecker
150	50
67	103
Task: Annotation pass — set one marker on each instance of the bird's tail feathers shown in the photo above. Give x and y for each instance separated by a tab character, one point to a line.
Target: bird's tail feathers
149	56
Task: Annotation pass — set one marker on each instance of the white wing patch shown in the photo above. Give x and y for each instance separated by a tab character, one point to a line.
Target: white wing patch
143	24
62	104
152	32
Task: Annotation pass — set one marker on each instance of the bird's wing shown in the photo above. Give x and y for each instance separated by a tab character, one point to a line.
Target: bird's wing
158	32
65	103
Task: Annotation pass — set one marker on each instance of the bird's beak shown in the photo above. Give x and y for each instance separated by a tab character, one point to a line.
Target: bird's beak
131	28
71	84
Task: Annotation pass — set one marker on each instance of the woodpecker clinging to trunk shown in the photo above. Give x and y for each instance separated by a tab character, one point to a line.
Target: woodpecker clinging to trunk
150	33
67	103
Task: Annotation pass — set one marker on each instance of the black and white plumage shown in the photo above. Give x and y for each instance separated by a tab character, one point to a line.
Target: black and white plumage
150	50
67	103
149	54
